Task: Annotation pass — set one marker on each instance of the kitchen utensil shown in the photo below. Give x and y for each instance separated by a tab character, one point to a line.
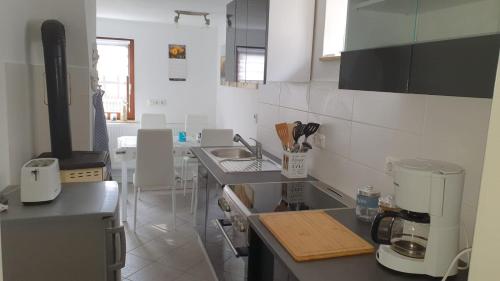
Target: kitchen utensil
406	233
282	131
367	203
312	235
290	135
423	237
309	130
298	131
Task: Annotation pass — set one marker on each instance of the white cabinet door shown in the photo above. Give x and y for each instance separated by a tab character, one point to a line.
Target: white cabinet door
290	40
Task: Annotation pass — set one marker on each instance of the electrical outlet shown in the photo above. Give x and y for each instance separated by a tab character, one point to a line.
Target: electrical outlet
389	164
155	102
319	140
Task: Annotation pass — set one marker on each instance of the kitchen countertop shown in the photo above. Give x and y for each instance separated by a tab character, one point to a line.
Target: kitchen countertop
243	177
352	268
75	199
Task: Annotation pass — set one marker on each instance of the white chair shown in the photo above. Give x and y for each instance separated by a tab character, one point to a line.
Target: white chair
194	124
154	164
216	137
153	121
209	138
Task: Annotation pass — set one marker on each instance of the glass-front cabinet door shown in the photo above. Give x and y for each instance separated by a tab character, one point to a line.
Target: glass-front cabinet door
379	23
382	23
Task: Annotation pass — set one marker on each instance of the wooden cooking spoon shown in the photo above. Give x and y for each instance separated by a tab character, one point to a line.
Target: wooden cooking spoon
282	131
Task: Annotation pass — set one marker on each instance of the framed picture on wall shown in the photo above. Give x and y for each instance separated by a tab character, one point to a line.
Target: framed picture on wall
177	62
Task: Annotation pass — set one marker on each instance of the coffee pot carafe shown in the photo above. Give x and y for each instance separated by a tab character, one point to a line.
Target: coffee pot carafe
406	232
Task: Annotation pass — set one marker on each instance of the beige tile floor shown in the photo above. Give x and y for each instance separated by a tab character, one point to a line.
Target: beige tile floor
157	252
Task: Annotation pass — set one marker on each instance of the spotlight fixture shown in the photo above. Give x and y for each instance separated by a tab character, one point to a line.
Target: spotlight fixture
191	13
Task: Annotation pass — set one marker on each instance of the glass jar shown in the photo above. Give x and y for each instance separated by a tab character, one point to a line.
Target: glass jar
367	203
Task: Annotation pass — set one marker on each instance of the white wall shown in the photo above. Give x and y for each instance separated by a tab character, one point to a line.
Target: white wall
198	94
485	259
236	107
235	110
24	120
363	128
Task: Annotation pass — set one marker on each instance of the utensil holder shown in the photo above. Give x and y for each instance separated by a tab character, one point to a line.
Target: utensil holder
294	165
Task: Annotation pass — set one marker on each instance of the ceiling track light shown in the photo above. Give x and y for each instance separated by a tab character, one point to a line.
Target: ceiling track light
191	13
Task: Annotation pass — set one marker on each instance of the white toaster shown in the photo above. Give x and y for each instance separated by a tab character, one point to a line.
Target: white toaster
40	180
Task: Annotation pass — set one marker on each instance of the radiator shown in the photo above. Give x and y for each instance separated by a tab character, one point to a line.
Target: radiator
116	130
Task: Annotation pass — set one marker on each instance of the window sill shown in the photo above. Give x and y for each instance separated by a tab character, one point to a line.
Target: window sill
330	58
121	122
243	85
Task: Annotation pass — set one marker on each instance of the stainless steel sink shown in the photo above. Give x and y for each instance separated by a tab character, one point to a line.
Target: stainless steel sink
231	153
239	159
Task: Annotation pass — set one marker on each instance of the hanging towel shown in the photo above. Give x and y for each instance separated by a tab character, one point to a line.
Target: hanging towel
101	139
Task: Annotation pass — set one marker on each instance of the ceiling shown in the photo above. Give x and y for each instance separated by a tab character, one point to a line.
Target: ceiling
159	10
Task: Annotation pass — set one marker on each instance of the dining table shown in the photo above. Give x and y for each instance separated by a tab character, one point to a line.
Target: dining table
126	153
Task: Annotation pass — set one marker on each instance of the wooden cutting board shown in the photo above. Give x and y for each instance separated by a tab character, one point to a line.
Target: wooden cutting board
313	235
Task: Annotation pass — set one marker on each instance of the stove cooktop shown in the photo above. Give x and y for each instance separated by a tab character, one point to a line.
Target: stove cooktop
282	197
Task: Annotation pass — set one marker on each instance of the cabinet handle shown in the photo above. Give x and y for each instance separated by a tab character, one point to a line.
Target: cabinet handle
119	232
237	251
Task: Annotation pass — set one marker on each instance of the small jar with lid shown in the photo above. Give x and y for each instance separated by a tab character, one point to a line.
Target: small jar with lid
367	203
387	204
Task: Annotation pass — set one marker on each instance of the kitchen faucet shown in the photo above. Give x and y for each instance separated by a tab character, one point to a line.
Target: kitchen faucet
257	151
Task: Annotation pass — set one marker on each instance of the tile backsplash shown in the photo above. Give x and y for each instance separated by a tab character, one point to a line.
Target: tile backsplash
363	128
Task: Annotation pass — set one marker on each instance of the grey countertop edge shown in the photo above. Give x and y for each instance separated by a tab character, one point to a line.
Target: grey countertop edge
64	205
244	177
352	268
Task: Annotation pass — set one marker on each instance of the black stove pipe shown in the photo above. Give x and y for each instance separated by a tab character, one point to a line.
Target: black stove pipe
54	51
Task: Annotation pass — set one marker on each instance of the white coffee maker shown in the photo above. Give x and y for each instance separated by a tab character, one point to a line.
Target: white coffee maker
422	238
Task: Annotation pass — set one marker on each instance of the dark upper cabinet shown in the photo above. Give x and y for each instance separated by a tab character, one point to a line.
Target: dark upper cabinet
246	38
382	69
461	67
230	63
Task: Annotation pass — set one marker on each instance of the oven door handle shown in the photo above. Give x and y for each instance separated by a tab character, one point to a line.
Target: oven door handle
237	251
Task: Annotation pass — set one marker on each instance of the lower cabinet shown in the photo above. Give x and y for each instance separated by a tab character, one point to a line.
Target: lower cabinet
226	265
263	265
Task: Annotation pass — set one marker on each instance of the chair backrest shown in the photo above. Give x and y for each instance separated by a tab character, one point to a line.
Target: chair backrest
153	121
194	124
216	137
155	158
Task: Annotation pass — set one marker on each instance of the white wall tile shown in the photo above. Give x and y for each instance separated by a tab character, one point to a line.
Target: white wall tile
270	93
291	115
327	99
270	141
337	133
370	145
346	175
468	218
456	130
331	169
269	115
295	95
391	110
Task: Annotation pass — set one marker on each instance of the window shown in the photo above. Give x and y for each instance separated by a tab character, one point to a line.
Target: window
251	64
116	76
335	27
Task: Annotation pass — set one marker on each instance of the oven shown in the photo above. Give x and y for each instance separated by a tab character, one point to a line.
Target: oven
229	206
226	240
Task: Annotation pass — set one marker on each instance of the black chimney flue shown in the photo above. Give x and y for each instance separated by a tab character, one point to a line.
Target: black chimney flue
54	51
